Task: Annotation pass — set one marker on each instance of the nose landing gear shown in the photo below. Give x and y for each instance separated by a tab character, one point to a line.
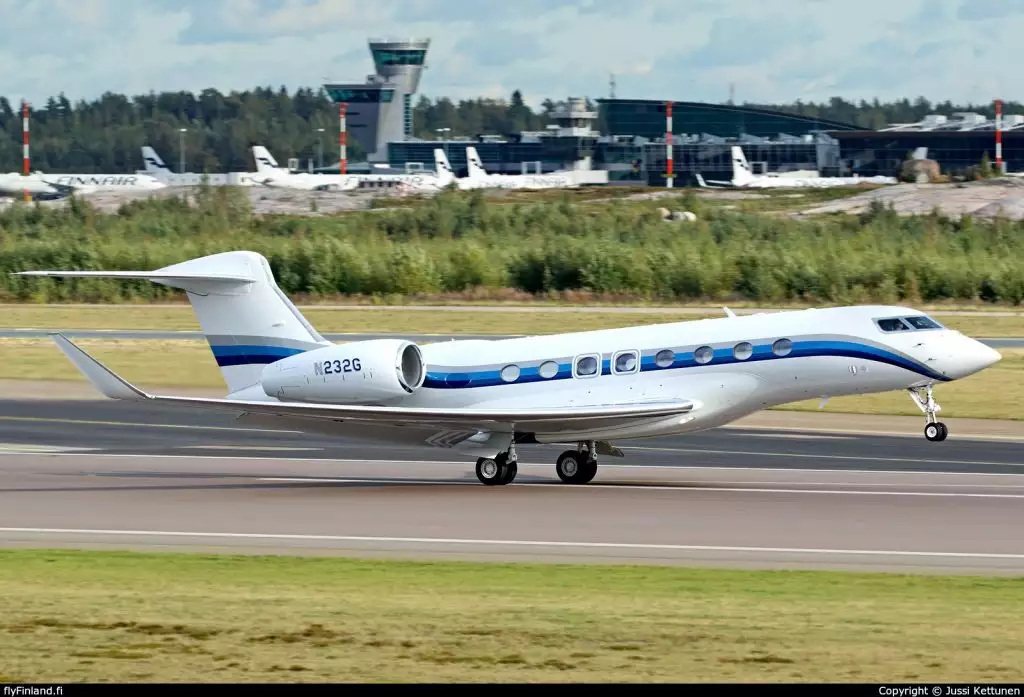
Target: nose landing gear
934	429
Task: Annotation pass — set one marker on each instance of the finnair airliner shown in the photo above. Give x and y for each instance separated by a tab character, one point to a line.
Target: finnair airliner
272	175
478	177
743	177
156	167
486	399
57	186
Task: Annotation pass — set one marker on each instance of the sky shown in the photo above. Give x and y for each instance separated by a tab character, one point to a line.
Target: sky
765	51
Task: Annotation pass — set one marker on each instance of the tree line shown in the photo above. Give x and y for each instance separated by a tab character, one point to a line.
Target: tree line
460	242
105	134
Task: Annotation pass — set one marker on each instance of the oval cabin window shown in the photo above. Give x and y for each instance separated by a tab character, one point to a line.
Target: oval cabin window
548	369
703	355
743	351
665	358
510	373
586	366
782	347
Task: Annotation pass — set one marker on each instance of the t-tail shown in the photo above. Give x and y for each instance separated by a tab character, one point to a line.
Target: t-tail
474	164
246	318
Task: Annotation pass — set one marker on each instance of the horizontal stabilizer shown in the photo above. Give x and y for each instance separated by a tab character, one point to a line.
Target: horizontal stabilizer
543	419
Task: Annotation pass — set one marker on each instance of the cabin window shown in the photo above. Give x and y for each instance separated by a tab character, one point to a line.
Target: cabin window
665	358
626	362
893	325
586	366
510	373
704	354
782	347
743	351
922	322
548	369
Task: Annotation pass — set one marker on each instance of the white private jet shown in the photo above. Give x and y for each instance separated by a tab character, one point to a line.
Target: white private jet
269	173
743	177
154	166
486	398
478	178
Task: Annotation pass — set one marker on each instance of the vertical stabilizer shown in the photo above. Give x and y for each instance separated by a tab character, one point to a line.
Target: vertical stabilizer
265	162
154	164
246	318
741	172
474	164
445	173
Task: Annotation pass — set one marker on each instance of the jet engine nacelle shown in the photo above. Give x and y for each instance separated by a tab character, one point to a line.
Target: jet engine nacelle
364	372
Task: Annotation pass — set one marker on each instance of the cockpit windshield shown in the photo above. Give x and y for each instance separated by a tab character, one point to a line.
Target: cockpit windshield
922	322
907	324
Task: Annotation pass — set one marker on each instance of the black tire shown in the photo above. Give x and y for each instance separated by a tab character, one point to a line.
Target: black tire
587	472
574	467
490	471
511	469
568	465
936	432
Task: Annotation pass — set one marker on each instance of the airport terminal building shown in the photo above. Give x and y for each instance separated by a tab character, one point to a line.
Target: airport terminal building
623	140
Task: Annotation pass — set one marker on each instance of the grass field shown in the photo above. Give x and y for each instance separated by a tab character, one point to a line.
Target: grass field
382	319
996	393
122	617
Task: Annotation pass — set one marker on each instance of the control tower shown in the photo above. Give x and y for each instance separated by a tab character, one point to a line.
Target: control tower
380	109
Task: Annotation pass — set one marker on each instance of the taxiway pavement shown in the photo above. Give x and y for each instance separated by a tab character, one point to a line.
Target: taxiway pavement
115	475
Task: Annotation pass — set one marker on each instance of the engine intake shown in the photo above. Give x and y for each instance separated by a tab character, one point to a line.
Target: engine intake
364	372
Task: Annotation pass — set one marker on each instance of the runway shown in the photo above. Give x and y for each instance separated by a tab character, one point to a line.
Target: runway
113	475
994	342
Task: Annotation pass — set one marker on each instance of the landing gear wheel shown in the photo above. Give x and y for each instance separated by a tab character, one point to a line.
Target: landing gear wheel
574	467
496	471
511	469
936	431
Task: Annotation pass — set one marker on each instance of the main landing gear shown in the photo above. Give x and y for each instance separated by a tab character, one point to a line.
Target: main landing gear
934	430
573	466
501	469
577	466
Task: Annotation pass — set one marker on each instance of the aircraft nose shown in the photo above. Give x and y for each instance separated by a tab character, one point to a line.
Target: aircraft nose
969	356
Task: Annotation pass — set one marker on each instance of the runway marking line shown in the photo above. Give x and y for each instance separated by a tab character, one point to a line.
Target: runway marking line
781	431
516	543
862	458
467	463
683	487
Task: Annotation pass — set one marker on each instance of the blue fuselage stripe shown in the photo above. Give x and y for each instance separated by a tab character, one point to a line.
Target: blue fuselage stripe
232	355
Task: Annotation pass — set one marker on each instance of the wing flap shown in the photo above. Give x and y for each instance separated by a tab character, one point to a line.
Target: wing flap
524	419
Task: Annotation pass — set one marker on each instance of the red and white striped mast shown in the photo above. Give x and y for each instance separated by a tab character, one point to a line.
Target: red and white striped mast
999	135
26	168
668	145
342	138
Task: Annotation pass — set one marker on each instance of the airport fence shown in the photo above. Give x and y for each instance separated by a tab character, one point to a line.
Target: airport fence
459	242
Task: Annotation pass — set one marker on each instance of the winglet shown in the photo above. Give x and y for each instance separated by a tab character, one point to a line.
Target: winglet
728	312
101	377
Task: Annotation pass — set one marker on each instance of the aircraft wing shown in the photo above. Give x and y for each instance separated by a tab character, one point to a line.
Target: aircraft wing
552	419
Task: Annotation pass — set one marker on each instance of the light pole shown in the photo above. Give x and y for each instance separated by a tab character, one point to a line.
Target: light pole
320	148
181	149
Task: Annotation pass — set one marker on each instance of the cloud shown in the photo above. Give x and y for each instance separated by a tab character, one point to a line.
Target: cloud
683	49
974	10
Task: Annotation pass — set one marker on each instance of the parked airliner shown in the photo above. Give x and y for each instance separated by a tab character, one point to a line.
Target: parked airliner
57	186
269	173
157	168
478	178
488	398
743	177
